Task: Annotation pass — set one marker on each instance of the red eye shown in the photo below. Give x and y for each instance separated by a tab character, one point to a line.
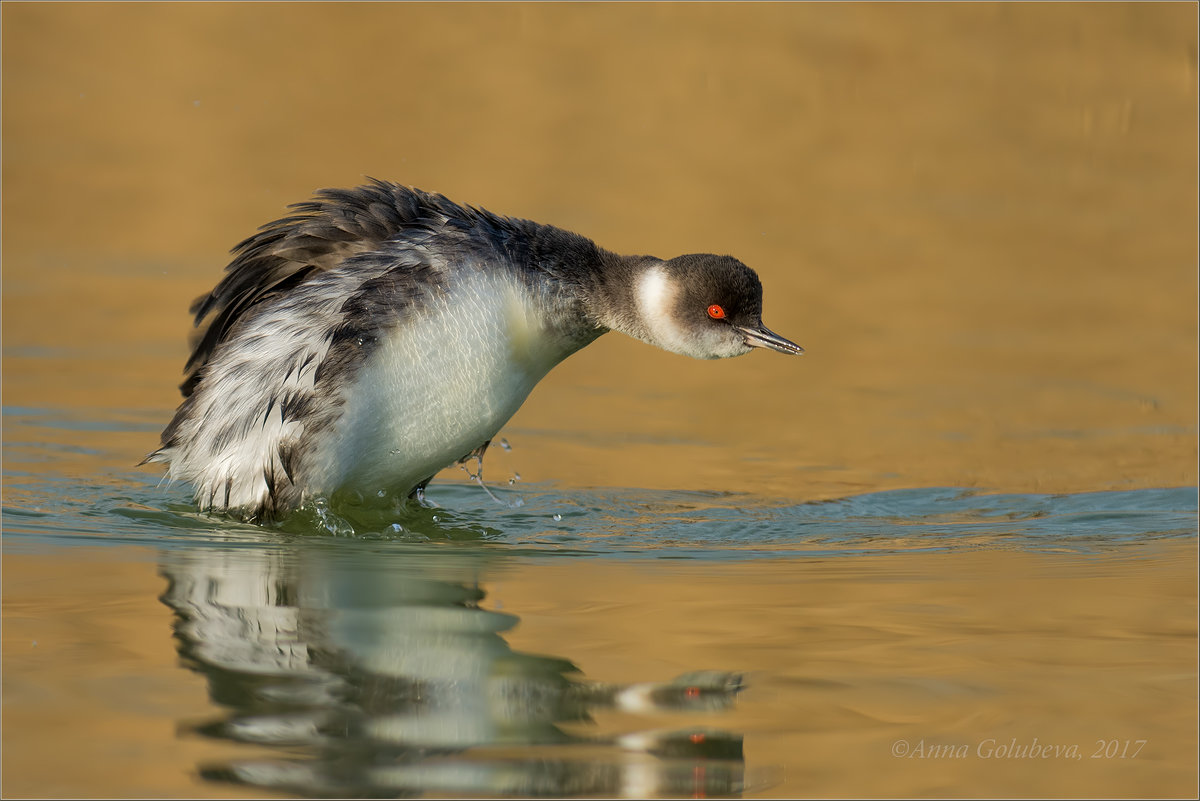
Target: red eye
716	312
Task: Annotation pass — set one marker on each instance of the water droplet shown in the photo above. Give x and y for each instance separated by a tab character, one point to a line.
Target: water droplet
504	444
395	451
381	494
394	528
436	519
332	523
557	517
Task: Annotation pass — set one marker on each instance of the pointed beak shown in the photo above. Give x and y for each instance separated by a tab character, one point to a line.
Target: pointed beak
760	337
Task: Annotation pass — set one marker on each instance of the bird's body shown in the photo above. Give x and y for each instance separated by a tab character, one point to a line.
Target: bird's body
384	333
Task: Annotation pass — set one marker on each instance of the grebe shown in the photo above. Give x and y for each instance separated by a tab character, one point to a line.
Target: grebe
382	333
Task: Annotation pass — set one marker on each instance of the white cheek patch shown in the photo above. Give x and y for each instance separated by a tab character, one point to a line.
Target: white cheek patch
655	294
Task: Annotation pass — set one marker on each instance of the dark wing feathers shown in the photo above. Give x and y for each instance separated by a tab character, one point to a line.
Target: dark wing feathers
337	224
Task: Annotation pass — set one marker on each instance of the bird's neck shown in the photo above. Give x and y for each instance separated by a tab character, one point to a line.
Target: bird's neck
593	290
631	295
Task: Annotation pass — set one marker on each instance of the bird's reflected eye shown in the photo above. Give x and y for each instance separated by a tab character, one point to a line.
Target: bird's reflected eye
716	312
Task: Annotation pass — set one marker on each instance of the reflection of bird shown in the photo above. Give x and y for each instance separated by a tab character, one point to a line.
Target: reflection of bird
383	333
376	673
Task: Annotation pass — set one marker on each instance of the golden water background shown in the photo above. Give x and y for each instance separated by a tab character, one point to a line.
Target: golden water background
979	219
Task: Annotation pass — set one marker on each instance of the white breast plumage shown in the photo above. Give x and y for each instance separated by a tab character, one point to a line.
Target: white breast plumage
438	387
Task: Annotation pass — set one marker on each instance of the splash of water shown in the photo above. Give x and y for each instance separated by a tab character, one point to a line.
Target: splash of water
477	477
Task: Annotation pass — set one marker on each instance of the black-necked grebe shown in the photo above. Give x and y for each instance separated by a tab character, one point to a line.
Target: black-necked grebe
382	333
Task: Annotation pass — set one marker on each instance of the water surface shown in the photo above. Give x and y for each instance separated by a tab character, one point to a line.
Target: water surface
588	641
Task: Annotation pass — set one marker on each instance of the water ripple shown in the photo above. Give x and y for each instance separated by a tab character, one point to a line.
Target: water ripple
624	523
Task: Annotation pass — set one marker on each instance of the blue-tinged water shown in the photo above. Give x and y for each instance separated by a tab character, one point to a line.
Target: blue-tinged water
44	503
